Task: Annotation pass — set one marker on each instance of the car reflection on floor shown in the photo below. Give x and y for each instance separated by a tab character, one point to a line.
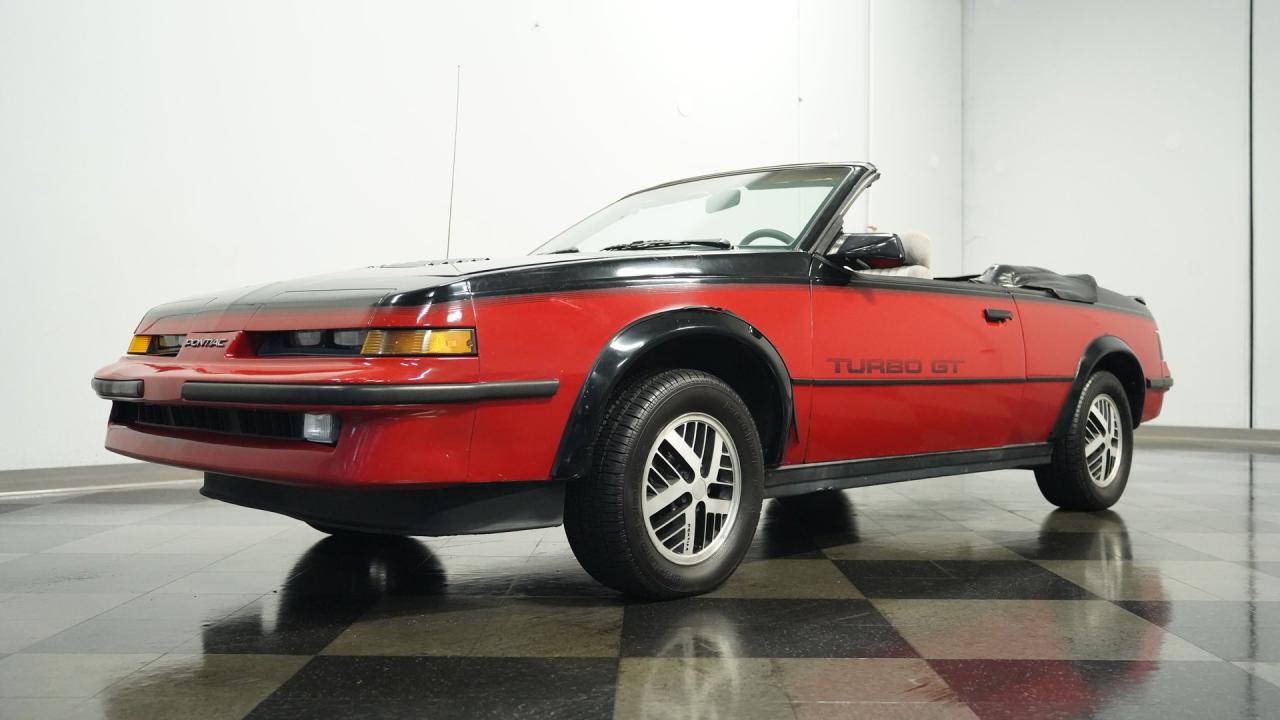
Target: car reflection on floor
714	658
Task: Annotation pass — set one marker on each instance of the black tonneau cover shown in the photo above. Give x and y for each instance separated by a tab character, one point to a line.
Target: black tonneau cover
1079	288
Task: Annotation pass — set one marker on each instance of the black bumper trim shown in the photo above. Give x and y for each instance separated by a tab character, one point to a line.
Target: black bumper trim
273	394
117	389
464	509
1159	383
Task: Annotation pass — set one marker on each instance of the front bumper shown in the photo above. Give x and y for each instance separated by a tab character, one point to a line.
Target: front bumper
402	421
331	395
453	510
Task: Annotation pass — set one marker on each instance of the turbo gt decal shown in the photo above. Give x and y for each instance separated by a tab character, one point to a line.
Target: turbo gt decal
892	366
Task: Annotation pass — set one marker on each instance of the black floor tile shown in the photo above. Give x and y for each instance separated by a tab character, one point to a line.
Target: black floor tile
960	580
705	627
425	687
569	583
859	570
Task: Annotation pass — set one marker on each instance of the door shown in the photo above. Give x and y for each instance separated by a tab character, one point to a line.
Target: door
905	366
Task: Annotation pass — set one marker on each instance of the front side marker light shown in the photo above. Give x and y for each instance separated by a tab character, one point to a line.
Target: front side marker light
139	345
155	344
420	342
320	428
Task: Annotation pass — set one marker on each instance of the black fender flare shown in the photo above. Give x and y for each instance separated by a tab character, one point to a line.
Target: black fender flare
624	352
1101	347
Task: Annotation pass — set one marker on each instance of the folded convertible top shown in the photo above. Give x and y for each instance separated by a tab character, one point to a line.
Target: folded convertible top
1079	288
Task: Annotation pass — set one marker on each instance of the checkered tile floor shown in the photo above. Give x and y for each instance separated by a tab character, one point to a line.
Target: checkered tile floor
950	598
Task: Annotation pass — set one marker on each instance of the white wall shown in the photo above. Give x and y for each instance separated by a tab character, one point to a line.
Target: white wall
153	150
1111	138
916	122
1266	212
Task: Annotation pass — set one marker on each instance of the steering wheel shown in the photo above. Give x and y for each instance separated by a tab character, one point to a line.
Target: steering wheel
767	233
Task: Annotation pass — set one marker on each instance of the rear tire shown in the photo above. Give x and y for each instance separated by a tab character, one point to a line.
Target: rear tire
1090	466
675	493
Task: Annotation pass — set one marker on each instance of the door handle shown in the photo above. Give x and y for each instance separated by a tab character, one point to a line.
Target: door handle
996	315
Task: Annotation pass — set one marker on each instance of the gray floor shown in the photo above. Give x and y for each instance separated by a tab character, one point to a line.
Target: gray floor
955	597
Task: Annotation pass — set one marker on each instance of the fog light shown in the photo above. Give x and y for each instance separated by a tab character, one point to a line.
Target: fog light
320	428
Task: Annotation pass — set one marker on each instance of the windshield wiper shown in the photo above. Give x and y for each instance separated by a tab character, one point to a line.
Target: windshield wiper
566	250
647	244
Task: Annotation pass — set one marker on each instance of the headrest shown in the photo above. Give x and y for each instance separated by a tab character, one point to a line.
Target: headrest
918	248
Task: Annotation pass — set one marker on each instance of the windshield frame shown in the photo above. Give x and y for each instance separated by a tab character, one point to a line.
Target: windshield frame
857	175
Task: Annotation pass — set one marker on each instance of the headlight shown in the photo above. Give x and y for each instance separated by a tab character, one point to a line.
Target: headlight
419	342
155	344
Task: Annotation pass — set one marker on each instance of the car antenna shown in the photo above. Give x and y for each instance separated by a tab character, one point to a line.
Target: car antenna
453	164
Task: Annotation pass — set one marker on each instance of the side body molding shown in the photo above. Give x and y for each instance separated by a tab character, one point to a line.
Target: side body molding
1101	347
626	351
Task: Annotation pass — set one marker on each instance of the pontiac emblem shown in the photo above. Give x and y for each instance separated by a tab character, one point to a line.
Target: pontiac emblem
205	342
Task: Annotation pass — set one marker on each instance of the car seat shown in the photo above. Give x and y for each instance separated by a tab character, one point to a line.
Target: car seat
918	250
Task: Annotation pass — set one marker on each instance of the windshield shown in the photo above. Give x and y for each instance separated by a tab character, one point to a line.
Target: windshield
749	211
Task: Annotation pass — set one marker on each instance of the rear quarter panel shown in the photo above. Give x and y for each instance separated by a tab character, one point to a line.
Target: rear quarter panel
1057	332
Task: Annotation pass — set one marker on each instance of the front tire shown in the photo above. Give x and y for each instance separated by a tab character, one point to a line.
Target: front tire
674	497
1090	466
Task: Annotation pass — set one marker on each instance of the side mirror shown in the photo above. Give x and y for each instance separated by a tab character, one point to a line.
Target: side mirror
864	251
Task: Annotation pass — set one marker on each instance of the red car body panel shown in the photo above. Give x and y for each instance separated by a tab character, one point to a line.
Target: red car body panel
950	340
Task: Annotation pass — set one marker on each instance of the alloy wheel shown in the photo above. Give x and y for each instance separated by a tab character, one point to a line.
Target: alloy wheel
692	487
1103	441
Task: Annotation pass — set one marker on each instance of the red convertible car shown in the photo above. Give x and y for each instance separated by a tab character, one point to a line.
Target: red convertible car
648	378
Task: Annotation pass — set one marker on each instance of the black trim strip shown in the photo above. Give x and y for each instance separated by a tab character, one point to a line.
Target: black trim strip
929	381
1137	308
1159	383
272	394
117	389
1106	299
801	479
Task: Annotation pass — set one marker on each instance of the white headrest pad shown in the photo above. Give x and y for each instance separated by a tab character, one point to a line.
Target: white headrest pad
919	249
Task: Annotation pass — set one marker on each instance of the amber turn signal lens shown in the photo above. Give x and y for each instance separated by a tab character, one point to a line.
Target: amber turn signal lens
139	345
155	344
419	342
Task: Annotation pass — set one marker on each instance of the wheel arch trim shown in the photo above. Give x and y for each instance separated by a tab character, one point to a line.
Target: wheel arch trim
630	346
1101	348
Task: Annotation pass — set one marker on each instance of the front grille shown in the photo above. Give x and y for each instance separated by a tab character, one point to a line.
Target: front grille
233	421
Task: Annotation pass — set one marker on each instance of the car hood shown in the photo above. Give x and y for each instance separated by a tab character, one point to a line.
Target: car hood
353	295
